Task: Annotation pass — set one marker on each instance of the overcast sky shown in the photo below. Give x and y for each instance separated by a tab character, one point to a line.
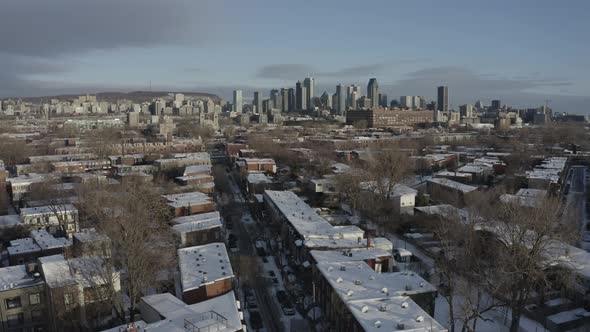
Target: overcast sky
521	52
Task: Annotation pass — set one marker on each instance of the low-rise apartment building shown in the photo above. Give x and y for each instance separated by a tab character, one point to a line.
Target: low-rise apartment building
22	300
205	272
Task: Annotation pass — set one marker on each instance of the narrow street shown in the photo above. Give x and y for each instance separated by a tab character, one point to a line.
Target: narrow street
233	208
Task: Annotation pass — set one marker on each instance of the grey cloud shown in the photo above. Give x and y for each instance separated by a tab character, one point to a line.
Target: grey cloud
285	71
47	28
354	72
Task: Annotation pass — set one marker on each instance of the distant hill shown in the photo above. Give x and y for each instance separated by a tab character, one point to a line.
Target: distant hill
135	96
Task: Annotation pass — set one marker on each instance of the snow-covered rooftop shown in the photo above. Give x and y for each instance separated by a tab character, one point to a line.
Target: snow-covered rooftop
196	169
453	184
48	210
398	313
176	314
197	222
204	264
17	277
350	255
259	178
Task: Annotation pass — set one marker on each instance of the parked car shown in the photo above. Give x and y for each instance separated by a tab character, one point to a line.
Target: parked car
288	308
256	320
282	296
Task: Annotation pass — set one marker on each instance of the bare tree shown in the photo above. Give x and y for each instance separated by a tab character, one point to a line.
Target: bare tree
14	152
58	202
522	239
135	219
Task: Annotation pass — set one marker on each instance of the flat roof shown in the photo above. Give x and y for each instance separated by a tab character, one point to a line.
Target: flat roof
47	241
175	313
196	169
452	184
258	178
17	277
46	209
204	264
350	255
90	235
300	215
398	313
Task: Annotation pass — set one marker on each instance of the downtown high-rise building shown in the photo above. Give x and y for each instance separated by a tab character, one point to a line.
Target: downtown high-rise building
291	100
300	97
442	102
466	110
496	105
257	102
238	102
341	96
373	92
353	92
383	102
326	100
309	84
285	100
275	98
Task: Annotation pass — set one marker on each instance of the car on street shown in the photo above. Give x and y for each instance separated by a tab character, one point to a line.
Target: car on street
256	320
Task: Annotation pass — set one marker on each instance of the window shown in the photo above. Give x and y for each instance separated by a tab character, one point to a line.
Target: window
15	320
13	302
36	315
68	299
35	298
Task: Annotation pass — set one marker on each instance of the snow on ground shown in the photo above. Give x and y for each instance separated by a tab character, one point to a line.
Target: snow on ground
496	321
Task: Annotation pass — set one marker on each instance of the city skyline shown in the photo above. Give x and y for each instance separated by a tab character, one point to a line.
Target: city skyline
535	57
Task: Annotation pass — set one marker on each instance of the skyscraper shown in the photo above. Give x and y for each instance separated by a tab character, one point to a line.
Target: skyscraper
299	96
291	100
496	105
373	92
383	100
238	103
309	84
285	99
257	102
352	94
442	104
275	97
466	110
341	93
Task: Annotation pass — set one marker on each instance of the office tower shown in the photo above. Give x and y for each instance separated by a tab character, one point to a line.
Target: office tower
266	106
373	92
335	101
496	105
300	99
257	102
341	96
466	110
326	100
291	99
442	102
238	102
285	100
383	100
309	84
275	98
421	102
353	100
478	105
179	98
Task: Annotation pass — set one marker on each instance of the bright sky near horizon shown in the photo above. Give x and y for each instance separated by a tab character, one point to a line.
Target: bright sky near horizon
522	52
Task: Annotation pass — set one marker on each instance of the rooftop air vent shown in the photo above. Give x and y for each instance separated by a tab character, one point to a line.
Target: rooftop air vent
339	280
420	319
364	309
384	290
343	268
404	305
349	293
378	324
401	326
382	307
357	282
